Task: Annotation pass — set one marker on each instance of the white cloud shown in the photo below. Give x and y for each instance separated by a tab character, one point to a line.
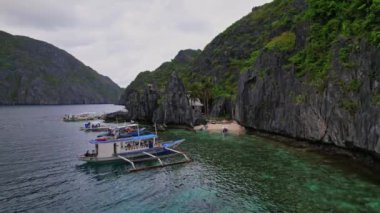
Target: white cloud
120	38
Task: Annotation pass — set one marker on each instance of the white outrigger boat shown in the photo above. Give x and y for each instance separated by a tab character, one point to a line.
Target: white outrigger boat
134	149
95	127
86	116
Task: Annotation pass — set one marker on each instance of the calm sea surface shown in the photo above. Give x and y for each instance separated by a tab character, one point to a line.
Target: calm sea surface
40	172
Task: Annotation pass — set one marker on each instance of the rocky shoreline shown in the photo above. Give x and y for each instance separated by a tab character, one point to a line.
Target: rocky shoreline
369	160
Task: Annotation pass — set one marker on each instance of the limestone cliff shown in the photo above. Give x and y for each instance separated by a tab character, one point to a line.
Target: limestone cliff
345	112
170	107
307	69
175	106
318	78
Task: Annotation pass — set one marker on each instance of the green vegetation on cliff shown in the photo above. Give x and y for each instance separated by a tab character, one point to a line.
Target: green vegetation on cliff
307	69
325	85
181	64
283	42
236	50
303	32
275	27
328	22
214	72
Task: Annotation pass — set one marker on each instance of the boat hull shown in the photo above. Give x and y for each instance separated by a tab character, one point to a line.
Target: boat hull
79	119
158	151
139	153
96	129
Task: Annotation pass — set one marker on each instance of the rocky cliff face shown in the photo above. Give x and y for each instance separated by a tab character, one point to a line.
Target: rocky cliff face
222	106
230	52
170	107
338	104
307	69
345	113
35	72
181	64
175	106
160	96
141	105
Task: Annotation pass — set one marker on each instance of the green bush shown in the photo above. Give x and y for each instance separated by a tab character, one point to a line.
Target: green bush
349	105
343	54
354	85
244	64
376	99
299	99
284	42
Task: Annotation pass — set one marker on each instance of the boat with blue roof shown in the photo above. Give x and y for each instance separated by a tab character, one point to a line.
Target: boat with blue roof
139	146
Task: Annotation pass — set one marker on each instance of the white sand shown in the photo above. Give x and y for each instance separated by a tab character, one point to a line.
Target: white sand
217	127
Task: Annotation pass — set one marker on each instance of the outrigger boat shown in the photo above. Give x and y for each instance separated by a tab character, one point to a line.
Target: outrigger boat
82	116
140	148
95	127
122	132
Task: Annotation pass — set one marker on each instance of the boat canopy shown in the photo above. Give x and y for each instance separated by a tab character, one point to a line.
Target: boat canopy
130	125
129	139
127	125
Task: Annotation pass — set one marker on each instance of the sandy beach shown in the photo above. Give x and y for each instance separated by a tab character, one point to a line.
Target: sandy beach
217	127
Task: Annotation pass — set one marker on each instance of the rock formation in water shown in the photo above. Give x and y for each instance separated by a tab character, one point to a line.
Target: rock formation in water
160	96
141	105
175	106
35	72
170	107
118	116
307	69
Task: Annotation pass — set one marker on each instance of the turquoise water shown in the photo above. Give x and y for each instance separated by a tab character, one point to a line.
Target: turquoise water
39	172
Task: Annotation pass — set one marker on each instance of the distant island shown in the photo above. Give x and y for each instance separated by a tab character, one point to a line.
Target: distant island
35	72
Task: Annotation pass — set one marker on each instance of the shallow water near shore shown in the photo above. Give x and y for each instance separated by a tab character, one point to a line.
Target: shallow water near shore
39	171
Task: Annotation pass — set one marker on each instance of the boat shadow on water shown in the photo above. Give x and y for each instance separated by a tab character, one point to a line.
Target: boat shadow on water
102	171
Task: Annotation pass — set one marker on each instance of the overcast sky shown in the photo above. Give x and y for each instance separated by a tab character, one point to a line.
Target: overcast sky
120	38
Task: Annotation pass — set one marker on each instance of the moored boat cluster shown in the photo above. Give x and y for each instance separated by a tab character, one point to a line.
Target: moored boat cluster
131	144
